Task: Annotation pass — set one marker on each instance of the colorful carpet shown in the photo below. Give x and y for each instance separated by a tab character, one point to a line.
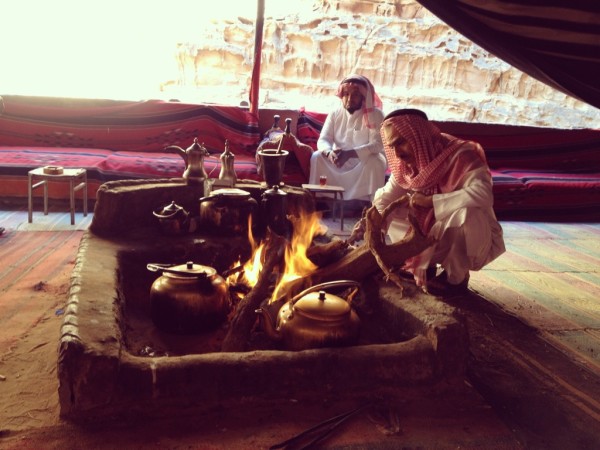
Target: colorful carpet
35	277
58	219
549	277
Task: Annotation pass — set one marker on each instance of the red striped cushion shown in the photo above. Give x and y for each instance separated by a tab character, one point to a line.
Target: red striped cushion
119	125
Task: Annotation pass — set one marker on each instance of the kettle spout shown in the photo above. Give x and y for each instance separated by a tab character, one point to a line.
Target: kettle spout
179	150
267	324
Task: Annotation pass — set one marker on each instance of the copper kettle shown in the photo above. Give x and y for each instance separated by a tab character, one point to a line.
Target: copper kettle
173	219
194	162
227	212
314	319
188	298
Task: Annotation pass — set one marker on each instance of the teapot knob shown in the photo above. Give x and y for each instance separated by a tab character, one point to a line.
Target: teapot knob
322	296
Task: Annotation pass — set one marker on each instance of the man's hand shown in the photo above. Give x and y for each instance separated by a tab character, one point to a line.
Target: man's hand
418	200
339	157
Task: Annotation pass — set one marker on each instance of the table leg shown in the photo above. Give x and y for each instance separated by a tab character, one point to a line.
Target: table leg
45	197
72	200
85	195
29	198
341	211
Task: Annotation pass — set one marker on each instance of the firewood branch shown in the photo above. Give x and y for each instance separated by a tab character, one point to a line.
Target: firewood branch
245	317
374	254
375	239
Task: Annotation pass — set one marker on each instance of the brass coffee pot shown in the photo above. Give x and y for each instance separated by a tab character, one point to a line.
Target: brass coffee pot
227	174
194	162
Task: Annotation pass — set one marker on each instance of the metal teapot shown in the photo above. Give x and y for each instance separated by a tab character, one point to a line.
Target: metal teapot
173	219
188	298
194	162
274	210
227	212
314	319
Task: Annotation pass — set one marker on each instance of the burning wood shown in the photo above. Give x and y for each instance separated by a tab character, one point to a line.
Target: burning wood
364	260
244	319
324	254
306	265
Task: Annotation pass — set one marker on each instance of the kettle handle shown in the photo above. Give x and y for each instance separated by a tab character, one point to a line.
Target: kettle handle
323	286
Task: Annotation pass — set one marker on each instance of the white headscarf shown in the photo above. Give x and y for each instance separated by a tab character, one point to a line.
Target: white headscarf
371	101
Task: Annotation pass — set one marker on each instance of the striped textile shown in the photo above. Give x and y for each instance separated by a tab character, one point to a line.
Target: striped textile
550	278
554	41
118	140
147	126
35	277
104	165
541	174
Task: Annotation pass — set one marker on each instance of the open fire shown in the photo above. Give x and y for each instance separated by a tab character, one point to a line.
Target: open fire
405	347
296	263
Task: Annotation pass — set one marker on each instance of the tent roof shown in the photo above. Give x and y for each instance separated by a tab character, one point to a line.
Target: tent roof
555	41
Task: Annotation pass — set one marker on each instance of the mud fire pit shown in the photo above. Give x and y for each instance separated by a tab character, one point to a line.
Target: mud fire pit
113	361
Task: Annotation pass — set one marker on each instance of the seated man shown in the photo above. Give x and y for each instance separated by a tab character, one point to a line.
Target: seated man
450	189
349	150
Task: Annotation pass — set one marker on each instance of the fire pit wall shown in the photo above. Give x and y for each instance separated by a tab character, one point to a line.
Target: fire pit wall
104	368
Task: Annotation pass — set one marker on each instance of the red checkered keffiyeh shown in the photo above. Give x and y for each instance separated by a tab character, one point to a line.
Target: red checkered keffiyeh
441	160
366	88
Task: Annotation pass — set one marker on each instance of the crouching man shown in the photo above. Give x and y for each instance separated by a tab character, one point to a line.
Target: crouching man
450	189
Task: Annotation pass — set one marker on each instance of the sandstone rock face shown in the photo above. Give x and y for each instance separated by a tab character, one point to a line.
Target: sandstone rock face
412	58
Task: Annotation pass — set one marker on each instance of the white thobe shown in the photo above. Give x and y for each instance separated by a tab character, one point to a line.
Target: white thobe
468	235
360	177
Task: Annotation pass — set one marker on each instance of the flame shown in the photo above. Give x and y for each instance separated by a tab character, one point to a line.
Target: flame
297	264
251	269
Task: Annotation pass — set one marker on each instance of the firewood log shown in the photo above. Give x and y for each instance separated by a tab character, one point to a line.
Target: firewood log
324	254
375	254
245	317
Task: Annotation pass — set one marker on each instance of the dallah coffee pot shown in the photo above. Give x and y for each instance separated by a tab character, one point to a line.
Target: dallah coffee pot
194	162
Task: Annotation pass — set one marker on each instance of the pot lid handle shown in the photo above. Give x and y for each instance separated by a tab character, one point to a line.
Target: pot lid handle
188	269
323	286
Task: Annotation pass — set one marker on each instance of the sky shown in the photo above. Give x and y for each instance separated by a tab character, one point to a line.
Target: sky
101	49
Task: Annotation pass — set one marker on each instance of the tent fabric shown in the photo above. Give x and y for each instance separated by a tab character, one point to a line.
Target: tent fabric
555	41
145	126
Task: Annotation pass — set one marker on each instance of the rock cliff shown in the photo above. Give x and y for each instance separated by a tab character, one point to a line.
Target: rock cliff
412	58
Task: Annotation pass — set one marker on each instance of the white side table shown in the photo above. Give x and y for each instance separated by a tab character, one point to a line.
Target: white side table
77	179
337	193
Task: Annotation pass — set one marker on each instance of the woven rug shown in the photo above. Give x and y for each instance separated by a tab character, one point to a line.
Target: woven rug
34	278
58	219
549	278
56	222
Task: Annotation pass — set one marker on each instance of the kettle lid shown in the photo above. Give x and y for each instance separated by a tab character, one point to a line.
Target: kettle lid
189	270
322	305
169	211
233	193
274	192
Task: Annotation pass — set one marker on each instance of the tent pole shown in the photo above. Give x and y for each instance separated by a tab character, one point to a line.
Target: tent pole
258	39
